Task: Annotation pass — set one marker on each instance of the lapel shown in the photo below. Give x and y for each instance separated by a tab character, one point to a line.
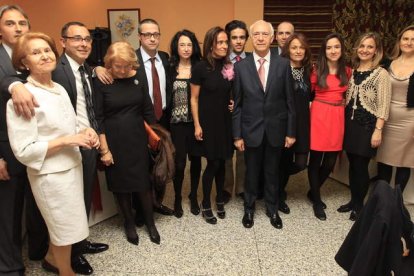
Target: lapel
67	70
272	71
6	65
253	72
141	69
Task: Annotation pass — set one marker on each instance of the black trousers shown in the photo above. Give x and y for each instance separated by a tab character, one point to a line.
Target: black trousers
267	157
291	163
13	193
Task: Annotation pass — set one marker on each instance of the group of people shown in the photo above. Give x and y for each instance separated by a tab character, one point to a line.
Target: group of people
278	110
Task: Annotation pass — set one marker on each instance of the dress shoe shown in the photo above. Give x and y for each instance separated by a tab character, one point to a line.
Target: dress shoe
154	235
81	266
226	197
309	195
163	210
131	234
194	208
247	220
221	213
319	212
178	209
354	215
345	208
276	221
208	215
92	248
49	267
283	207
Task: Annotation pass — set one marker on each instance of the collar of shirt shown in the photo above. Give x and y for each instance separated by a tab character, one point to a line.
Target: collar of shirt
146	57
8	49
256	58
233	56
73	64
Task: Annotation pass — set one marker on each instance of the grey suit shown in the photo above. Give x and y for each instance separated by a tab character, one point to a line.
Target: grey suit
263	119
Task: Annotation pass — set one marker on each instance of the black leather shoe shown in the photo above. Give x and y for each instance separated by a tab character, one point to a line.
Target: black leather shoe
283	207
247	220
354	215
276	221
131	234
221	213
154	235
93	248
226	197
319	212
194	208
345	208
49	267
163	210
208	215
81	266
309	195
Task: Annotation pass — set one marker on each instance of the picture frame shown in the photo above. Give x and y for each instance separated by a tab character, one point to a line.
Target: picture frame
123	24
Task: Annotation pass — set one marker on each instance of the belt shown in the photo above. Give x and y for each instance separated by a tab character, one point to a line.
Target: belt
339	103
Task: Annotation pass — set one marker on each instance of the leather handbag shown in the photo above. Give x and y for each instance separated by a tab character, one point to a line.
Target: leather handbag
153	138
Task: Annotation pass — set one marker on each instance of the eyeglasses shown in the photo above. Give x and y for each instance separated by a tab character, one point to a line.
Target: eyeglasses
149	35
79	39
263	34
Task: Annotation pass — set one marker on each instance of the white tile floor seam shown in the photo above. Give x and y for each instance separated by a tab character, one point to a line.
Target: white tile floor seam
189	246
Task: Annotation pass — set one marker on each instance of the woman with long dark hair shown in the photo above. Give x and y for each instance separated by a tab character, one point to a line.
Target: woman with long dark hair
185	53
211	83
329	82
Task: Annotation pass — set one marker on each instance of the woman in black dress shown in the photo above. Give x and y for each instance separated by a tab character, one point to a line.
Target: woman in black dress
368	99
211	84
122	108
295	158
185	53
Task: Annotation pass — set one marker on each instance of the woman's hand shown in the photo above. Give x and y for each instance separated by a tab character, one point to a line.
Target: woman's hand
231	105
107	158
93	136
80	140
376	138
198	133
103	75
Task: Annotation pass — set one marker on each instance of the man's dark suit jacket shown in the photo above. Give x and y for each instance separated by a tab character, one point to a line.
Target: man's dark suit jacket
14	167
257	112
142	76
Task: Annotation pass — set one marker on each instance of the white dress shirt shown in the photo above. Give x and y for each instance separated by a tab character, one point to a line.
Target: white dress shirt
266	65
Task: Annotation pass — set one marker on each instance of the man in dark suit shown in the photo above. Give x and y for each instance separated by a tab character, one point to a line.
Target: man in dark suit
283	31
14	185
263	119
76	42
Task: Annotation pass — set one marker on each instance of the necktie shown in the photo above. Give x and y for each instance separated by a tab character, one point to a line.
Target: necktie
156	92
88	99
261	72
238	58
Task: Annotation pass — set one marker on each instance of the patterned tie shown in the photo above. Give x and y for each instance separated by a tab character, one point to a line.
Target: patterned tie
238	58
156	92
88	99
261	72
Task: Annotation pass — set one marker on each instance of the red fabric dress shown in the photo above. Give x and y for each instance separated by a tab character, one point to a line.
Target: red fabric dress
327	120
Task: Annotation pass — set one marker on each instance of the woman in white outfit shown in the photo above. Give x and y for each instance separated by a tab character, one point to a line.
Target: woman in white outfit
48	145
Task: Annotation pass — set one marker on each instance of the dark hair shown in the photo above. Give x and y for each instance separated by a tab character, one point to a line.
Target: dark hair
148	21
64	31
20	49
5	8
210	41
236	24
175	58
322	69
306	62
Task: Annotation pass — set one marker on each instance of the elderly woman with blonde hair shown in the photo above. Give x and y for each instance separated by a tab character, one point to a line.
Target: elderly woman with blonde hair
121	108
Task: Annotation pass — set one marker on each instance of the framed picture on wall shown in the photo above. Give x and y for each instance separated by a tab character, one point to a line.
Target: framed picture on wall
123	24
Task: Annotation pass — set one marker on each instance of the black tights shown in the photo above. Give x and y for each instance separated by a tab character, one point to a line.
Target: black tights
290	164
145	207
402	175
320	166
195	170
358	179
214	170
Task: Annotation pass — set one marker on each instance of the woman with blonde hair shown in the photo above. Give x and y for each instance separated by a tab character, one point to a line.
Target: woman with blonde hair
121	108
367	105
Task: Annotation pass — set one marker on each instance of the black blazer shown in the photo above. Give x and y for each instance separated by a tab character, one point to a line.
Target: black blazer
257	112
6	69
142	76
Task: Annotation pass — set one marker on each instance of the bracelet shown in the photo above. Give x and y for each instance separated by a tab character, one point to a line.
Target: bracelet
103	153
378	128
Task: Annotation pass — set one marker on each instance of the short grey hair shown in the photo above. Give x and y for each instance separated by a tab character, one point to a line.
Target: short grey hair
271	29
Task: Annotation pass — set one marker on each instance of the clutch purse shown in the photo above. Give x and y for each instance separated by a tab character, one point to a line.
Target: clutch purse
153	138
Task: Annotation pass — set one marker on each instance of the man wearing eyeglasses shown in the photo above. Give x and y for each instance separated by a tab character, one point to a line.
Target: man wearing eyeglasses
74	75
263	119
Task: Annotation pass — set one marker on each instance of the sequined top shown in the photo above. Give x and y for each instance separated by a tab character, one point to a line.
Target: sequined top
181	94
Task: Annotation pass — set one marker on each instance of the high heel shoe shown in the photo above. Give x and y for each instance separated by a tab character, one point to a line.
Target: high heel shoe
345	208
208	215
195	209
131	234
178	209
154	235
221	213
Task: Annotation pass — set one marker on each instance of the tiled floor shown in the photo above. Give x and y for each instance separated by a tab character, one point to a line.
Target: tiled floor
190	246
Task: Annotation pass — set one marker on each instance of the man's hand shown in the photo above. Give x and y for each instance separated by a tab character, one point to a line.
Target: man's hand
23	101
4	174
289	141
239	144
103	75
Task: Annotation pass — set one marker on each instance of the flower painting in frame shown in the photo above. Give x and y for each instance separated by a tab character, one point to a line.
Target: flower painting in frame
123	24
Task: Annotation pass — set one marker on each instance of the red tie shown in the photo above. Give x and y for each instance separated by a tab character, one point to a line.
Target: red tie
261	72
156	92
238	58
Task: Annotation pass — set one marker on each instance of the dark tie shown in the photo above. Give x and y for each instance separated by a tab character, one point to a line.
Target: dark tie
88	99
156	92
238	58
